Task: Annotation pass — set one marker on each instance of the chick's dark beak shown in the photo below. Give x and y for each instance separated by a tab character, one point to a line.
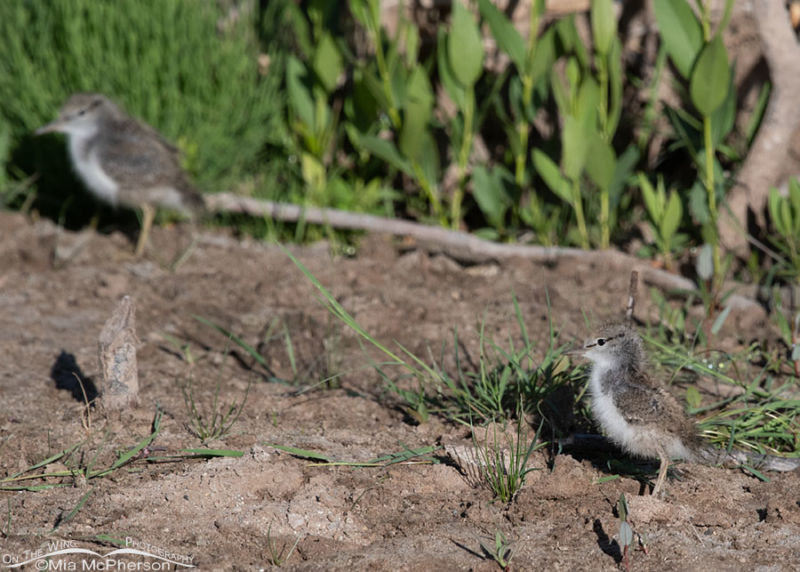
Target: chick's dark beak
576	351
51	127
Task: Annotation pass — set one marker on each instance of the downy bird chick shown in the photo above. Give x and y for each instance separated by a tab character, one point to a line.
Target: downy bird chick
640	416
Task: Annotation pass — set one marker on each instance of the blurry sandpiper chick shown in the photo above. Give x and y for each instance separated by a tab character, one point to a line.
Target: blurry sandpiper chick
123	161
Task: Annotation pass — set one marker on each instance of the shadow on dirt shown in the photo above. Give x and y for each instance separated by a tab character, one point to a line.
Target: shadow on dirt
68	375
607	545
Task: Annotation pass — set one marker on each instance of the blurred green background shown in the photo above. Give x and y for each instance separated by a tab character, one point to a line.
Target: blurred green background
453	116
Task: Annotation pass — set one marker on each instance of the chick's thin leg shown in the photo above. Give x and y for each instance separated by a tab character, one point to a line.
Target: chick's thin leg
148	214
662	473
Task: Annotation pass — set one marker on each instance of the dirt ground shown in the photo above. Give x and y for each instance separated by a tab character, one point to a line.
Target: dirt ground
58	288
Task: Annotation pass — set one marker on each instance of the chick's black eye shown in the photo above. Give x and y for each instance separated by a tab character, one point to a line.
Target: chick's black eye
601	341
82	112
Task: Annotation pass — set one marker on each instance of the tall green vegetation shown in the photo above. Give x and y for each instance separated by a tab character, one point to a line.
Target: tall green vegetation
535	149
318	103
701	59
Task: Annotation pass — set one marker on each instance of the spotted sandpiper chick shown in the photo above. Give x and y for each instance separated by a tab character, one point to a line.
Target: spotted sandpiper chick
632	407
123	161
637	413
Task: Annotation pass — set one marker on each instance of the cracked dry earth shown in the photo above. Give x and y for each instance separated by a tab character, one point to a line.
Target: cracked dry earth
58	288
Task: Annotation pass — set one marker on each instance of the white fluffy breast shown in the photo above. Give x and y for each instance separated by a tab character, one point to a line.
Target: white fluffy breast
606	413
89	169
647	441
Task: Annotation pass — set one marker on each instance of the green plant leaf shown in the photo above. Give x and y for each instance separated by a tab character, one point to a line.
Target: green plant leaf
386	151
504	33
794	199
399	81
418	106
513	137
490	194
560	93
693	398
587	104
313	171
299	97
446	74
672	217
571	40
625	534
429	161
601	161
550	174
724	118
419	94
651	202
575	144
464	46
680	30
302	33
720	321
373	84
615	78
774	204
545	55
785	215
794	193
412	44
622	508
625	164
368	99
698	203
573	74
710	77
360	11
328	62
604	25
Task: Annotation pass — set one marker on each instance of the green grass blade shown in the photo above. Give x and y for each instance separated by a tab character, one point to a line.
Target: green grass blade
303	453
47	461
131	453
74	511
210	453
35	488
405	456
251	351
338	310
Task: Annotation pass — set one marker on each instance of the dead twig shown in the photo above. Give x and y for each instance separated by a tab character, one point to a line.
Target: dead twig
632	288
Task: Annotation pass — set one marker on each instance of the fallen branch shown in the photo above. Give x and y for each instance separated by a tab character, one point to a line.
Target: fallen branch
456	244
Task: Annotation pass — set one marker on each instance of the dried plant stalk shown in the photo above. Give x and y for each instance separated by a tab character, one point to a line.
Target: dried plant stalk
632	290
